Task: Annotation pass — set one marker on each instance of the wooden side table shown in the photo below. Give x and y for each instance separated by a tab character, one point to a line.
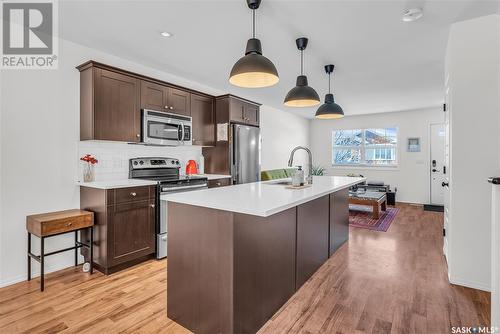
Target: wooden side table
55	223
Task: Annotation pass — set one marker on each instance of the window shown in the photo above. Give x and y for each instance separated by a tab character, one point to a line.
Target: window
365	147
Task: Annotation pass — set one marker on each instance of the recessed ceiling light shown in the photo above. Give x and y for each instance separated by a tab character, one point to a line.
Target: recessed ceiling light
412	14
166	34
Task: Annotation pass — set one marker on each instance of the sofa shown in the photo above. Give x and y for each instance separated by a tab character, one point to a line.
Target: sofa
274	174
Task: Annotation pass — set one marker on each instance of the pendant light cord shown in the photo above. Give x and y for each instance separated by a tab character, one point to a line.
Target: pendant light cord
301	62
329	79
253	23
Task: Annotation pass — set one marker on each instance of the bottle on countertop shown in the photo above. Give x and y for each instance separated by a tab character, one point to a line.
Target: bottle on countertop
298	177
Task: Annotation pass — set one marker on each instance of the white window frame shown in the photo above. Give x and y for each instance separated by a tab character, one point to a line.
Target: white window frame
362	149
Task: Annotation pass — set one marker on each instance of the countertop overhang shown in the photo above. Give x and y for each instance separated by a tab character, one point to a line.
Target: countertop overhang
262	198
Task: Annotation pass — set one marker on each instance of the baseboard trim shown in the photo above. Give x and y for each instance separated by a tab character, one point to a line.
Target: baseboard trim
36	273
469	284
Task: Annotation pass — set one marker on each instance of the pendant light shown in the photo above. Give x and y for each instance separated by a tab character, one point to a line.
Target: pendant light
302	95
253	70
330	109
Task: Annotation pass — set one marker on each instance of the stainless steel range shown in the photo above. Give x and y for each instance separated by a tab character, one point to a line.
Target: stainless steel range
165	171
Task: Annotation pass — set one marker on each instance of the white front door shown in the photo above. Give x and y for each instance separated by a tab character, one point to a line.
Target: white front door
437	166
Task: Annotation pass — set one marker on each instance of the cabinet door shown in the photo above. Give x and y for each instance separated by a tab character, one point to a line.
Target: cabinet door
312	237
179	102
339	219
117	113
202	112
131	231
153	96
251	114
236	110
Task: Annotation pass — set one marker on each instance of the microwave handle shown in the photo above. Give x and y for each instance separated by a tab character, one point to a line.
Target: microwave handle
182	132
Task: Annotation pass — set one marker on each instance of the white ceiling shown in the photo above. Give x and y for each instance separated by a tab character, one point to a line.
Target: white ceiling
382	64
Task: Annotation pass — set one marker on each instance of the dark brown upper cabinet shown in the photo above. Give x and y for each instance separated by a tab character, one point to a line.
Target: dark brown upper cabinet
202	112
251	114
154	96
240	110
164	98
179	101
109	105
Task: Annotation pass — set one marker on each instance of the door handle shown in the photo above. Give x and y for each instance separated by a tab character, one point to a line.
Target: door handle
445	184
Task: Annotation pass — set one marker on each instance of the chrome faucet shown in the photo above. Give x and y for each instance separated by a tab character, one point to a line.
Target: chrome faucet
309	179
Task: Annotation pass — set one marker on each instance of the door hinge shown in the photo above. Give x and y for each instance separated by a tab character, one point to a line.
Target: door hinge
444	107
444	232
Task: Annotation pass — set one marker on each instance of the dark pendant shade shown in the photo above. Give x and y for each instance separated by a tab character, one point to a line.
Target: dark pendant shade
253	70
330	109
302	95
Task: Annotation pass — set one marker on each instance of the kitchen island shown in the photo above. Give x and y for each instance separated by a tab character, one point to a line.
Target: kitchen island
236	254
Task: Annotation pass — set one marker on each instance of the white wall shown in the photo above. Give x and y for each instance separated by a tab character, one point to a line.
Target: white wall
411	177
472	64
39	145
282	131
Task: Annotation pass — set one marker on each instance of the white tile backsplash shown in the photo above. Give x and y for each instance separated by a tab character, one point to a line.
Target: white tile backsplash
114	157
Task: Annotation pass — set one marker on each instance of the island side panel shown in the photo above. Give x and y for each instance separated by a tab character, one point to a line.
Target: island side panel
312	237
264	267
339	219
199	268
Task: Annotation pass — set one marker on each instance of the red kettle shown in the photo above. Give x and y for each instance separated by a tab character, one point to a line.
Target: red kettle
191	168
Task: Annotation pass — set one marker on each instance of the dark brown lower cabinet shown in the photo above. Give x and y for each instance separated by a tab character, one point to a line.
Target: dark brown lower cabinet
312	237
124	232
339	219
219	183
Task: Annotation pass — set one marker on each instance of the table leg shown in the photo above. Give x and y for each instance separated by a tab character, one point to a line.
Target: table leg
29	257
91	250
384	206
42	262
76	249
376	211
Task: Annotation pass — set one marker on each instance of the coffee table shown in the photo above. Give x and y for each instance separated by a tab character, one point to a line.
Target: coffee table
377	200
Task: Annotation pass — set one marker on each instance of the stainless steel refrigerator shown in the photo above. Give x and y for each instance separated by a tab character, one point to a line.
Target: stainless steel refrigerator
245	153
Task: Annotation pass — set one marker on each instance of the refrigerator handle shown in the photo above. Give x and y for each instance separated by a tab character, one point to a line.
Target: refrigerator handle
235	158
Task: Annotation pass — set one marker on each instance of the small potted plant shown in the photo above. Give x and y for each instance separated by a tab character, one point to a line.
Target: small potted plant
88	167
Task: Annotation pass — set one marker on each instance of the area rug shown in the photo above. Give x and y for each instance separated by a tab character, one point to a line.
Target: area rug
361	216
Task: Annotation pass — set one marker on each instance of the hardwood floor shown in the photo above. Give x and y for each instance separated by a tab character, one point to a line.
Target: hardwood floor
392	282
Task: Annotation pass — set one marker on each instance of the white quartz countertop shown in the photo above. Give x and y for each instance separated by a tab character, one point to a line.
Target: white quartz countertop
113	184
125	183
262	198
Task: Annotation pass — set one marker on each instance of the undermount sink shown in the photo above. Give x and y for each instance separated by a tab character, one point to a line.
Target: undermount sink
280	183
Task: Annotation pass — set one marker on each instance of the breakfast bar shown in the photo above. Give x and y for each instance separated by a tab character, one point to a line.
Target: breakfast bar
236	254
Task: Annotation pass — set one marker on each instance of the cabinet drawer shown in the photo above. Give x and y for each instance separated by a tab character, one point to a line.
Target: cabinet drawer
219	183
65	225
123	195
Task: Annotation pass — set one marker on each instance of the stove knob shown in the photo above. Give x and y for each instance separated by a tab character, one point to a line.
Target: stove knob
135	163
141	162
177	162
173	162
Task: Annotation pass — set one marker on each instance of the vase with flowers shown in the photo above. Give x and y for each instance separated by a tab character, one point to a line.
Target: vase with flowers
88	167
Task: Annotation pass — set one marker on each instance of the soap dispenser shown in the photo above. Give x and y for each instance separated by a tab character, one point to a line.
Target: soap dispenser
298	177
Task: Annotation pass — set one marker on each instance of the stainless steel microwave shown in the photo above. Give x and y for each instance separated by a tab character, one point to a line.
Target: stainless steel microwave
161	128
